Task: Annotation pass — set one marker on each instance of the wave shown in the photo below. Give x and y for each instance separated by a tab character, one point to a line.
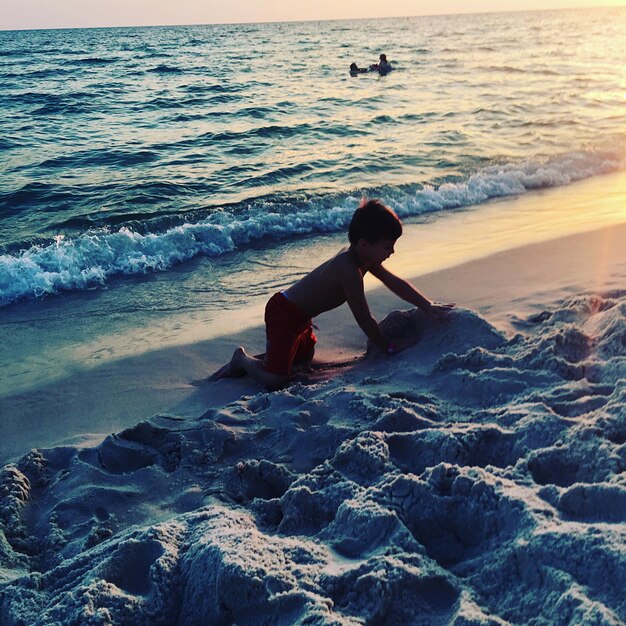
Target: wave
160	103
91	259
99	158
165	69
61	108
51	103
192	117
269	131
7	144
31	193
93	61
149	54
44	73
215	88
510	69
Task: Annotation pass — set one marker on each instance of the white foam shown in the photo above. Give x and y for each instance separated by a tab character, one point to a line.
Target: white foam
91	259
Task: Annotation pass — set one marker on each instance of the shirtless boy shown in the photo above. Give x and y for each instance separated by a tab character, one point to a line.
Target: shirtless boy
373	232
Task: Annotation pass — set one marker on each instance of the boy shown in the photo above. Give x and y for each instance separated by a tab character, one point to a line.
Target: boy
373	232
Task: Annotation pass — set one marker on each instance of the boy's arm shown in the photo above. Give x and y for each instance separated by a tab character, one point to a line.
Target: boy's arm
352	283
406	291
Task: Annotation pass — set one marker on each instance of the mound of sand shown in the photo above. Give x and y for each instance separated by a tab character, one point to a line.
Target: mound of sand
473	479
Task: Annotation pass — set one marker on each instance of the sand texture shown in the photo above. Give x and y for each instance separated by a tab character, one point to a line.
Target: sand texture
476	478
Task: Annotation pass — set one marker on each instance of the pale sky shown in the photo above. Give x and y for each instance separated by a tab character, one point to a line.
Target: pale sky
18	14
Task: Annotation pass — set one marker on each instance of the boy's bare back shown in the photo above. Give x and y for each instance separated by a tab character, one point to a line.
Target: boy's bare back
328	285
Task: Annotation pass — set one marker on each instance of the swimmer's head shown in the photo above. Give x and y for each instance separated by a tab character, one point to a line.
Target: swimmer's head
383	58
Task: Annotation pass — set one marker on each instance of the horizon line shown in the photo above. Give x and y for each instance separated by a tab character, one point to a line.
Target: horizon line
332	19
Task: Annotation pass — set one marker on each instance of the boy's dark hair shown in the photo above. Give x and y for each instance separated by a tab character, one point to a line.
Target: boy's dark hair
374	221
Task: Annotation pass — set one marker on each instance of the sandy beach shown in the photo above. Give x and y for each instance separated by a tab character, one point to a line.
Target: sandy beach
475	478
92	402
160	180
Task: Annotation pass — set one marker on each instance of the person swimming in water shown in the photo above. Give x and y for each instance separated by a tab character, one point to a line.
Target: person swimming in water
355	69
382	67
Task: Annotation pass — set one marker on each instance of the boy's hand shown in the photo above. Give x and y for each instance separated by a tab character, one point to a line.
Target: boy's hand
402	343
440	310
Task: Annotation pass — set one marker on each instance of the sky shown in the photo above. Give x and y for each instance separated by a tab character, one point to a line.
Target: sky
21	14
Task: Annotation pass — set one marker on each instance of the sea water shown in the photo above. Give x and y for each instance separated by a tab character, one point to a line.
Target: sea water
150	173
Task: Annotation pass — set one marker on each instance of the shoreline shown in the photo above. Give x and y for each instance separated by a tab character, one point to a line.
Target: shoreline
471	457
45	340
501	287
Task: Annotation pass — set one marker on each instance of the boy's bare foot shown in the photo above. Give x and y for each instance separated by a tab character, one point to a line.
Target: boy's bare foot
222	372
232	369
236	369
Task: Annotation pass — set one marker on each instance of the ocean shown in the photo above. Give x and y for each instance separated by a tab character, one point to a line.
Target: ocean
158	184
132	150
163	171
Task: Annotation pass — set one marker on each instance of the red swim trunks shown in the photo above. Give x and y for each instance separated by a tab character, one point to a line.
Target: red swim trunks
290	336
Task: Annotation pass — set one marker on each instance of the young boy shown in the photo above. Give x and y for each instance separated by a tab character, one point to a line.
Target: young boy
373	232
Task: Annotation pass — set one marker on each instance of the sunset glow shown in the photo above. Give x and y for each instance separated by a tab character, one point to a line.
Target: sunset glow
75	14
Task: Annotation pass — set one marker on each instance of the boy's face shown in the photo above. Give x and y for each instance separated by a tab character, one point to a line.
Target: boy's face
378	251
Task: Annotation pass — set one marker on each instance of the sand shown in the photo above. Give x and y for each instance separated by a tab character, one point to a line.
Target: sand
475	478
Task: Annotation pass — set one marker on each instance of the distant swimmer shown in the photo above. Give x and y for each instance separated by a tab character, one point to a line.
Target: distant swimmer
383	66
355	69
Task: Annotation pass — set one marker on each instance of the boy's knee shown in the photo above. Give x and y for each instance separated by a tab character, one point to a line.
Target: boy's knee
305	355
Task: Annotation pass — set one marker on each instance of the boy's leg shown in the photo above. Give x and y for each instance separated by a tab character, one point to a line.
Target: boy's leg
297	349
255	368
286	341
227	371
305	350
231	370
283	331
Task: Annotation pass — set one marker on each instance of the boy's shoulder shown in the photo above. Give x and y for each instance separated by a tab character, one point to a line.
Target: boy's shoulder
344	268
343	261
